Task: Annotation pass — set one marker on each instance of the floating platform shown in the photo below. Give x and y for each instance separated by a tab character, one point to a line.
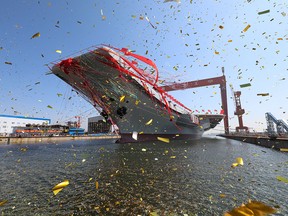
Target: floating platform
260	139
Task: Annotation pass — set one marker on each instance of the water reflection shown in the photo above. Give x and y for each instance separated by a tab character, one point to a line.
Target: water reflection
179	178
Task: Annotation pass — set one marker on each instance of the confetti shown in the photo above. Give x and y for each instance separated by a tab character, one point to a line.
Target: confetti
251	208
35	35
280	178
59	51
9	63
229	41
60	187
263	94
239	161
177	1
122	98
59	94
144	150
96	185
245	85
246	28
50	107
135	135
263	12
163	139
3	202
149	122
221	27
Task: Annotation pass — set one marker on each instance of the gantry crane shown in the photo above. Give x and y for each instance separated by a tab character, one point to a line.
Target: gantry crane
206	82
239	112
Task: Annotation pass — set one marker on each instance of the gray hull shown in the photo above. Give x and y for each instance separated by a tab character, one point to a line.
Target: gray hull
131	105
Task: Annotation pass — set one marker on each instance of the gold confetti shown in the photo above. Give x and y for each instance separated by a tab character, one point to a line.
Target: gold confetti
250	209
60	187
239	160
59	51
229	41
246	28
163	139
221	27
149	122
122	98
96	185
3	202
36	35
217	53
173	157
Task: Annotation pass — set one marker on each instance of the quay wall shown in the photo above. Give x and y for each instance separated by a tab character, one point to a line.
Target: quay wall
32	140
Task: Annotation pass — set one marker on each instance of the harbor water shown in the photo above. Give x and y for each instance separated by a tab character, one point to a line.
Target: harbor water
149	178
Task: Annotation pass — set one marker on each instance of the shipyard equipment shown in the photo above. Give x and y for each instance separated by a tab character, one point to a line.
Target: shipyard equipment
239	112
281	126
206	82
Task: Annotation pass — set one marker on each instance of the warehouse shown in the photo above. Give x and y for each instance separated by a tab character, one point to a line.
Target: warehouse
8	122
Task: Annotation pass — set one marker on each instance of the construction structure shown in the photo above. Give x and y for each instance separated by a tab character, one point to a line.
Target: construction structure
272	122
239	112
221	81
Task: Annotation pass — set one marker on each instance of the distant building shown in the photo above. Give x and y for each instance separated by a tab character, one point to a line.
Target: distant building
97	125
9	122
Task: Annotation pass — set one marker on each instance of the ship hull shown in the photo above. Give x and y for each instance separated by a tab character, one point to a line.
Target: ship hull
127	101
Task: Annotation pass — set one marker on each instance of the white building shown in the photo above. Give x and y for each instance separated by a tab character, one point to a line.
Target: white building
7	122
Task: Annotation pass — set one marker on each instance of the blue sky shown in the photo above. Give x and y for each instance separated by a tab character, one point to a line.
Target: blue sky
186	37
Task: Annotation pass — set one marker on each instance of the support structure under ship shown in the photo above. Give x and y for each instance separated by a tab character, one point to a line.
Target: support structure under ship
123	87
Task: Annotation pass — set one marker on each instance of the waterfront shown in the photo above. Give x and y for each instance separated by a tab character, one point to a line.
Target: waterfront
179	178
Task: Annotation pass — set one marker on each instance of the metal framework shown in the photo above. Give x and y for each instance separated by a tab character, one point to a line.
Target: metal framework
281	126
206	82
239	112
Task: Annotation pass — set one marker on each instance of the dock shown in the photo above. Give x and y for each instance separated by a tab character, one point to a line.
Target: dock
53	139
260	139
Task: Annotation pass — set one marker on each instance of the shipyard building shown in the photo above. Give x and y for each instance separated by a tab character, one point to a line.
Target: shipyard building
98	125
9	122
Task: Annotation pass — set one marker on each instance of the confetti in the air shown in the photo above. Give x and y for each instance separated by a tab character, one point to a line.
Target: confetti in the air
59	51
246	28
35	35
263	12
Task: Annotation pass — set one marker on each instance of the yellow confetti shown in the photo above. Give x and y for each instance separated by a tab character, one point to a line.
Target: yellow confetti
3	202
149	122
222	195
96	185
279	38
36	35
280	178
122	98
239	160
173	157
284	149
59	51
163	139
246	28
144	150
250	209
216	53
229	41
60	187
